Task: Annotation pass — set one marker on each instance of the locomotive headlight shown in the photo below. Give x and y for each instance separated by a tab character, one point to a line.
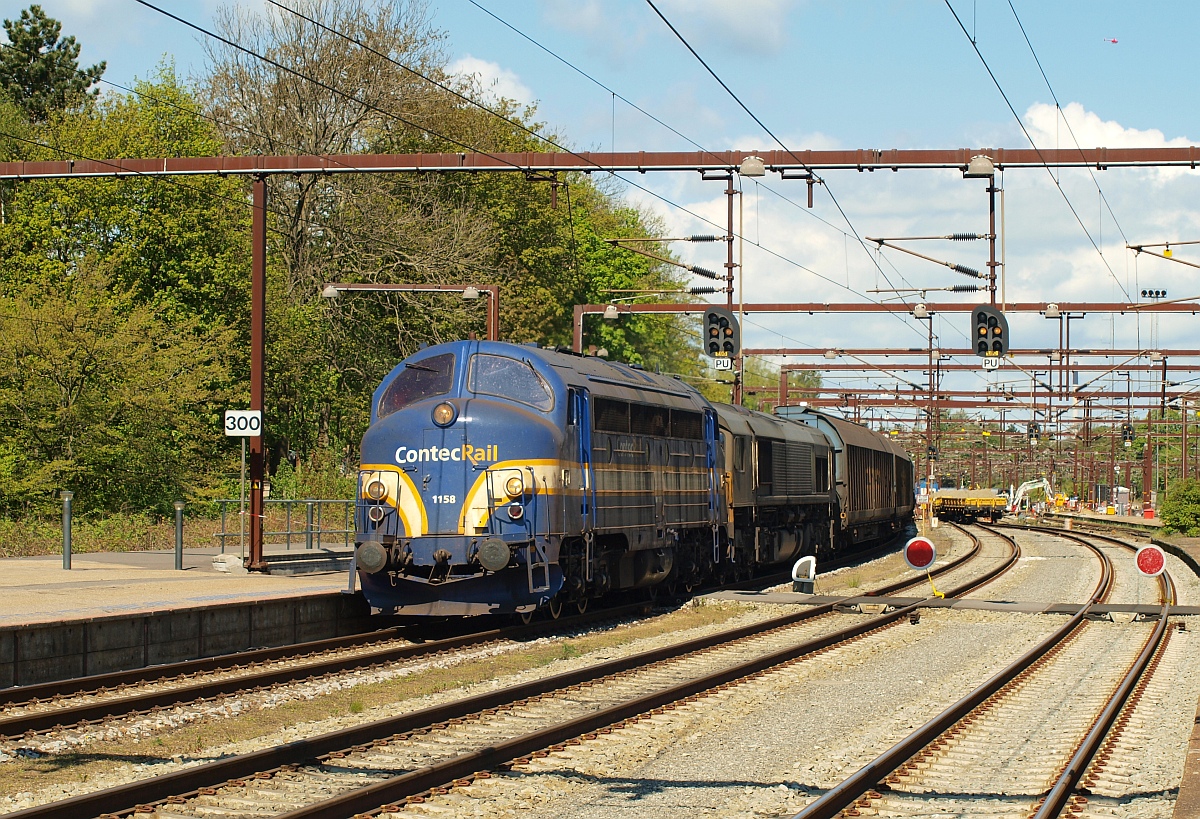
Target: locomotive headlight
375	513
514	486
376	491
444	414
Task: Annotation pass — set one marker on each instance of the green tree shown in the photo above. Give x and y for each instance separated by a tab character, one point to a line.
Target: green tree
100	394
1180	512
39	69
179	243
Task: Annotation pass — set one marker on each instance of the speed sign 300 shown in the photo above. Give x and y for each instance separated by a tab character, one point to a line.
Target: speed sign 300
243	423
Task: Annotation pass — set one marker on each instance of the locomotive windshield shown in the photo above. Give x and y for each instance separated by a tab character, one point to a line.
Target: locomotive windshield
508	378
417	381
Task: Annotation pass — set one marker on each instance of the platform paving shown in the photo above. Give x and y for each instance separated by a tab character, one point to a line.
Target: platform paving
39	590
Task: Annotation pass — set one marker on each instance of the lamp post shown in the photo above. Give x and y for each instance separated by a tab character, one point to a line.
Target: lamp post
467	291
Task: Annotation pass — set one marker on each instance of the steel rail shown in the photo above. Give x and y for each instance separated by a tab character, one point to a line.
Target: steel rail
19	725
1063	789
22	694
842	796
95	683
89	713
187	782
398	788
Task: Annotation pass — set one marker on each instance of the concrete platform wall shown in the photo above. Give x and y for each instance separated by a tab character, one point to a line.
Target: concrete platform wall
55	651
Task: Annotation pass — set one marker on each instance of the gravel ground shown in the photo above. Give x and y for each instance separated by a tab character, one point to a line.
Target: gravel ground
1050	569
767	747
145	728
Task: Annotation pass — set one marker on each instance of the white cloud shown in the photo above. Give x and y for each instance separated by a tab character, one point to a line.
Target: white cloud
495	80
1090	130
1049	257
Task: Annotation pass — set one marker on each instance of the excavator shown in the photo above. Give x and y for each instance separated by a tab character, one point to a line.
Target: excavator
1024	489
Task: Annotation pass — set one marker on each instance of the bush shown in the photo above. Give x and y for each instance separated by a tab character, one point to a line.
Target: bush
1181	511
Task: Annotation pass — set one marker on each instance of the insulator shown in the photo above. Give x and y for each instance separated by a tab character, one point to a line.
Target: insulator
966	237
966	288
704	237
966	271
705	272
701	291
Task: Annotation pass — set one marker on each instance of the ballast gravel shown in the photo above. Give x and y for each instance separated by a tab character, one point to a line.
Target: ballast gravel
145	728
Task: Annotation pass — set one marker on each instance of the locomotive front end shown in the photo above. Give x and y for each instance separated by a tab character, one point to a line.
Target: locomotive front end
461	484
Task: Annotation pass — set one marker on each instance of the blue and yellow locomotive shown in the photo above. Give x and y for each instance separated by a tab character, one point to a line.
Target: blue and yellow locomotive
501	478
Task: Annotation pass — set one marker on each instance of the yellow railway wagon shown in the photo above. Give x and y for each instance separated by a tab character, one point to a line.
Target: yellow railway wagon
968	504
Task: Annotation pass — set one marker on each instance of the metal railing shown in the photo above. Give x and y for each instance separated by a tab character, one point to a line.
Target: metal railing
316	523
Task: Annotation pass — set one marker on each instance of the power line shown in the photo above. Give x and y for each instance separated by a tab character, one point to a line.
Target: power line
454	141
1045	164
651	116
778	141
1067	122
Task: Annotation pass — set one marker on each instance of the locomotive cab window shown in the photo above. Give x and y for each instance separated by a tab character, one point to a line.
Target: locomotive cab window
509	378
417	381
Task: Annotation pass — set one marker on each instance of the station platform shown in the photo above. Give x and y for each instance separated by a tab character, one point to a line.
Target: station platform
39	590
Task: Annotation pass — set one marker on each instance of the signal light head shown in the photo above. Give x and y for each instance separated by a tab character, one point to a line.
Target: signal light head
721	332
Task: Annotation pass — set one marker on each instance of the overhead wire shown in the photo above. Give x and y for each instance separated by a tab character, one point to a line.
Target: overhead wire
778	141
549	141
1037	150
450	139
678	133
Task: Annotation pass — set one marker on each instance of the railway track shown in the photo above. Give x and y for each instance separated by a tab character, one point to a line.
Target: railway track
89	701
398	759
1038	721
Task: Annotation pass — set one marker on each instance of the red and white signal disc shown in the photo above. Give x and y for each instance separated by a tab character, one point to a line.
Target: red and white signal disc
920	553
1151	560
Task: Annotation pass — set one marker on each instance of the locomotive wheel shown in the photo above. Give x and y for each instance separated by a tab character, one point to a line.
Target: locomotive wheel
581	605
671	587
555	606
526	616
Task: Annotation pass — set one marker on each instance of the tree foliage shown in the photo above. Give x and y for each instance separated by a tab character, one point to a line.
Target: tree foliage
121	300
100	394
1180	512
39	68
125	301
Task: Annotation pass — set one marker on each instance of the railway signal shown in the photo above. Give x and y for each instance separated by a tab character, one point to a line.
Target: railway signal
722	335
1127	434
1151	560
990	332
920	553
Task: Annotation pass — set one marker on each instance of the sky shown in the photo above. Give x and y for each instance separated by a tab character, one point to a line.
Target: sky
841	74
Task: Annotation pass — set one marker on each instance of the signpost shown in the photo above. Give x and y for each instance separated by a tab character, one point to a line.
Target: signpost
243	424
920	554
